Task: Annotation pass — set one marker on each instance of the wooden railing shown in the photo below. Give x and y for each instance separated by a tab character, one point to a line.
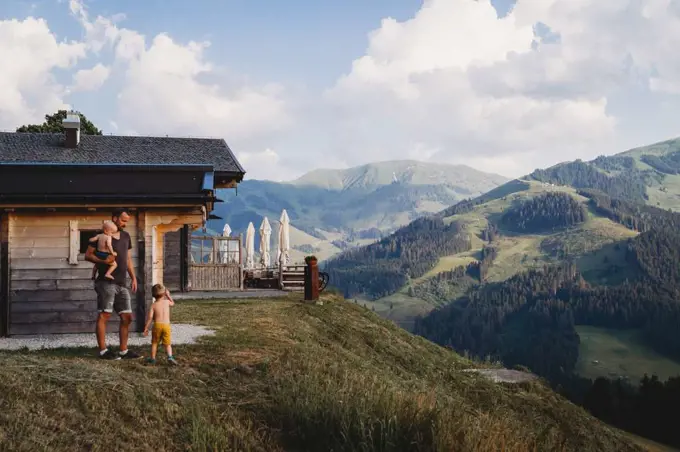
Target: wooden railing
292	277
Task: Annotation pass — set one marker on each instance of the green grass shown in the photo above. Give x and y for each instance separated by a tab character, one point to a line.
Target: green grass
620	353
283	375
592	245
667	194
399	308
448	263
651	446
589	243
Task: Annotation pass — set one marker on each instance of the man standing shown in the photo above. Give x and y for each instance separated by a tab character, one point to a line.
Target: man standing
112	294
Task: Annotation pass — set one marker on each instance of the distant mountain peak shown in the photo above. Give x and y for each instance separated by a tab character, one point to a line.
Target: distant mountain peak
413	172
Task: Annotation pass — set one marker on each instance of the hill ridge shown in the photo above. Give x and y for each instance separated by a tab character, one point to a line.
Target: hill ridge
387	171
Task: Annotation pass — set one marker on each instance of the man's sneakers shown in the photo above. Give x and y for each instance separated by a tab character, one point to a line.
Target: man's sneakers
129	354
111	356
108	355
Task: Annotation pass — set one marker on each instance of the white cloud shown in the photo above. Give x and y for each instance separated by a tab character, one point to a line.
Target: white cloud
31	52
165	92
553	80
458	79
265	164
90	79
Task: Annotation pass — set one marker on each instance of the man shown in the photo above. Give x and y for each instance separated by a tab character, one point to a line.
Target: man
112	293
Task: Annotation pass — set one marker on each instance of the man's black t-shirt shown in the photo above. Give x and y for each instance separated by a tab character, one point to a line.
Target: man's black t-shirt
122	246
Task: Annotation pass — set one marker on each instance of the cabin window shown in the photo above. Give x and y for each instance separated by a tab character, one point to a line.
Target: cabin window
79	239
85	236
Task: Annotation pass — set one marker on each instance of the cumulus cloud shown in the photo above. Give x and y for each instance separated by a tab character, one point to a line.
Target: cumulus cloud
28	88
266	164
454	83
506	94
473	87
90	79
165	89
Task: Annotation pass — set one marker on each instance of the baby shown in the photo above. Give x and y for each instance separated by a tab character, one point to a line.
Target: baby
159	314
105	247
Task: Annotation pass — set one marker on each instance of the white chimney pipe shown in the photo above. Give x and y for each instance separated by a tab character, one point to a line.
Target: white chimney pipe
72	129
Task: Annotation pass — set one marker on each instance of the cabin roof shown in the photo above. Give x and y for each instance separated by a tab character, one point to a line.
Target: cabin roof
22	147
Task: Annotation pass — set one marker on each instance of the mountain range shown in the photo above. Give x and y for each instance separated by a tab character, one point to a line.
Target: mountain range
571	271
333	210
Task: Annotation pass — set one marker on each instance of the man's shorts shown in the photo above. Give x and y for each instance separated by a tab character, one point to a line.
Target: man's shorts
113	297
161	333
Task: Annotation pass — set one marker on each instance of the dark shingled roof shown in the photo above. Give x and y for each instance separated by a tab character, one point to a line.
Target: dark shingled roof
102	149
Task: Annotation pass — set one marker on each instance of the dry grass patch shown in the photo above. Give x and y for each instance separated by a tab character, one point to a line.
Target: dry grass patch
282	375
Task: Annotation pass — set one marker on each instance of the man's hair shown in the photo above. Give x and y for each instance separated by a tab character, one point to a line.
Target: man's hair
118	212
158	290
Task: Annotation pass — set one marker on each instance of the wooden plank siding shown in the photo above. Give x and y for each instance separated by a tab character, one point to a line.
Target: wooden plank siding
4	275
48	294
172	258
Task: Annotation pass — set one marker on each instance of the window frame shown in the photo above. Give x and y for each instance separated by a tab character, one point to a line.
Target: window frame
76	242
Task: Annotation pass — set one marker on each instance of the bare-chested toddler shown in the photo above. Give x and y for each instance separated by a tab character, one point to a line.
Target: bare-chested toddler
159	314
105	247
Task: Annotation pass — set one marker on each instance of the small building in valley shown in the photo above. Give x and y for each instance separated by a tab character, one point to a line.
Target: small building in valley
57	189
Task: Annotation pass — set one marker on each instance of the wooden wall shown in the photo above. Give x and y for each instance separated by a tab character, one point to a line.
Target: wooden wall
171	263
47	293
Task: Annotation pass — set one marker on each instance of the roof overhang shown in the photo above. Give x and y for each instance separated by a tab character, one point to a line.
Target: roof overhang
97	183
227	179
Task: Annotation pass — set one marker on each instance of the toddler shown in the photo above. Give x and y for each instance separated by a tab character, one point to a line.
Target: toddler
159	314
105	247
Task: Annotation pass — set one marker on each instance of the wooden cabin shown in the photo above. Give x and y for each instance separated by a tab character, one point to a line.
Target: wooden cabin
55	192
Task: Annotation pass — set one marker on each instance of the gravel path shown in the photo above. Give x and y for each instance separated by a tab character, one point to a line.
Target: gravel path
181	334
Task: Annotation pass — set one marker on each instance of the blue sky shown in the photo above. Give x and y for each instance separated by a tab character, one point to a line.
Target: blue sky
299	84
295	42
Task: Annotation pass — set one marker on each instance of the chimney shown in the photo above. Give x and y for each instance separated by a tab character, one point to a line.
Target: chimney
72	129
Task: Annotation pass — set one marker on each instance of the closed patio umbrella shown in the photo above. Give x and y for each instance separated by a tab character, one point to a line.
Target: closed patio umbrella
250	246
265	238
283	256
224	245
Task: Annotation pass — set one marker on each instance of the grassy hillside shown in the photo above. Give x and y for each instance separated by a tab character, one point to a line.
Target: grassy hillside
606	352
281	375
592	244
648	174
338	209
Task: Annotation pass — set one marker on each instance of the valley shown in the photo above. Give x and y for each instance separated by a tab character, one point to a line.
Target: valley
571	272
591	244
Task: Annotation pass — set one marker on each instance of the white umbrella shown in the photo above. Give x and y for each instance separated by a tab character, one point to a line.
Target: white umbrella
224	245
265	236
250	246
282	256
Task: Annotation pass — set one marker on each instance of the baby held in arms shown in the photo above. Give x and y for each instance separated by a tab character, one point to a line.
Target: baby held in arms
105	247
